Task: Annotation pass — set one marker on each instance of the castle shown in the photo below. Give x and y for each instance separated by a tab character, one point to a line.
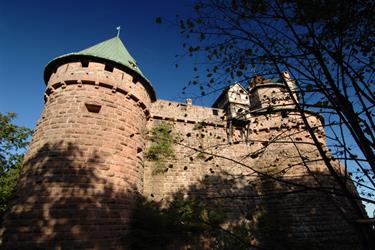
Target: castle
248	155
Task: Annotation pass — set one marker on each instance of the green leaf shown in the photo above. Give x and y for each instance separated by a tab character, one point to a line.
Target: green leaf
158	20
248	51
12	139
309	87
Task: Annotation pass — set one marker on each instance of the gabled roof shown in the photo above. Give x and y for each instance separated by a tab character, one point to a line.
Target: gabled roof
112	50
238	84
225	91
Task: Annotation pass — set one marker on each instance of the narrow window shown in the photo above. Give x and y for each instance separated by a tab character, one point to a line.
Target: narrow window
215	112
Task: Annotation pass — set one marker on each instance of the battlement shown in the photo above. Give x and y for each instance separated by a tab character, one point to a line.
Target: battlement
187	113
99	75
259	123
267	95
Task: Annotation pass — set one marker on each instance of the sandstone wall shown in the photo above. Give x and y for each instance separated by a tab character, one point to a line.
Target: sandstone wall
267	173
86	162
77	183
270	94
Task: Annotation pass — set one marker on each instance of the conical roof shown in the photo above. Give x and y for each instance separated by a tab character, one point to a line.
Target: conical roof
110	50
113	50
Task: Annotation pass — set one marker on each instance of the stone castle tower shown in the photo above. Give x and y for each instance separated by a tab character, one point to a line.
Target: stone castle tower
86	159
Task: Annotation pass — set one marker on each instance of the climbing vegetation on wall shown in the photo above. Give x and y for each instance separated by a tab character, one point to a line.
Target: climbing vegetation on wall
181	221
201	156
221	220
200	125
161	148
186	219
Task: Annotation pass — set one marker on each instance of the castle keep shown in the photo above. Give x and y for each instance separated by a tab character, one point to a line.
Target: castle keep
249	156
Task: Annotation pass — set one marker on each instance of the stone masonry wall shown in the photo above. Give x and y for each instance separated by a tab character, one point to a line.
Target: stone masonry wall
239	177
84	164
271	94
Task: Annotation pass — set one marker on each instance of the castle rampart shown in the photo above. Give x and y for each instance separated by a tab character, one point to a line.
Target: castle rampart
221	172
249	157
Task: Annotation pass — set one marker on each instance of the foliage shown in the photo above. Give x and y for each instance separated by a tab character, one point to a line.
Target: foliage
161	147
201	156
200	125
7	184
186	219
191	217
182	220
328	49
13	140
326	46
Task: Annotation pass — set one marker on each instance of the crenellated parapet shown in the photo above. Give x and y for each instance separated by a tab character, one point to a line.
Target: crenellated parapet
270	95
187	113
100	75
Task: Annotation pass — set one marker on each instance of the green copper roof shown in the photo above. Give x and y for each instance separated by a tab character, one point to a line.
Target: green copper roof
110	50
113	50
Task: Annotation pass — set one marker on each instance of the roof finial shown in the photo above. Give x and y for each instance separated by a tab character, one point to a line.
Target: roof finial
118	31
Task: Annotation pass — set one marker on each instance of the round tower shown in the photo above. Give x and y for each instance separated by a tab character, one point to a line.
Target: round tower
284	148
273	109
84	165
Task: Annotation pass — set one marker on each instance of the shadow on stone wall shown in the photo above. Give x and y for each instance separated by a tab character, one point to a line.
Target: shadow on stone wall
65	200
218	213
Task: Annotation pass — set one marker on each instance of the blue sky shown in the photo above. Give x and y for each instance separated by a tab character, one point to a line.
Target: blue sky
34	32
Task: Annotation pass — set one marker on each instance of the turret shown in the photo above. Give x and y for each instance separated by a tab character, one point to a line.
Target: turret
273	110
270	94
85	162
